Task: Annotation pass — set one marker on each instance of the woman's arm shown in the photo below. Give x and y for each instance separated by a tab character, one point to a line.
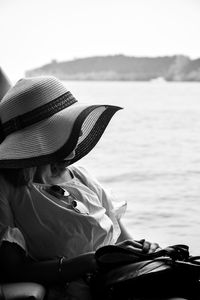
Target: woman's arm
125	235
143	245
17	267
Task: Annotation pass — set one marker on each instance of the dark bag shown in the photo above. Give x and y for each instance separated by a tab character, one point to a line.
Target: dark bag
125	273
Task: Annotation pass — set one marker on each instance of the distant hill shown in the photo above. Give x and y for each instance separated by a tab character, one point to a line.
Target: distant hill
121	67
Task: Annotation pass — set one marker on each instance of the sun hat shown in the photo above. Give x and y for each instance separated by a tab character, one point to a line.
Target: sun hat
41	123
5	84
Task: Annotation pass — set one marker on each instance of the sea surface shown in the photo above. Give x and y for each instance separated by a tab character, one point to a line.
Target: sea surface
149	156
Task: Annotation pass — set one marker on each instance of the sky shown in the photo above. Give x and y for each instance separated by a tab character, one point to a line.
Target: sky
34	32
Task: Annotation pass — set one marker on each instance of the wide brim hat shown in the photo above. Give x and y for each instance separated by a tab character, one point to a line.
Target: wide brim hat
5	84
42	122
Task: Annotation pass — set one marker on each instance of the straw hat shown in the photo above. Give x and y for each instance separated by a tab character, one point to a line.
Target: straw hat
41	123
5	84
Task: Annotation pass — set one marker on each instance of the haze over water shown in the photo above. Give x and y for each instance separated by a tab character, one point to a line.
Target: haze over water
150	156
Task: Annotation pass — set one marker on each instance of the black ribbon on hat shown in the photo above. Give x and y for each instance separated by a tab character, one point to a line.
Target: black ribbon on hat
36	115
2	134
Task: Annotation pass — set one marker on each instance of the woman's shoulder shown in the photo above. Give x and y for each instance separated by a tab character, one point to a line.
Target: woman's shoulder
83	175
79	173
86	178
76	169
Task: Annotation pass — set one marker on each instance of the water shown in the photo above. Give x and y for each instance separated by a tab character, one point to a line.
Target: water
150	156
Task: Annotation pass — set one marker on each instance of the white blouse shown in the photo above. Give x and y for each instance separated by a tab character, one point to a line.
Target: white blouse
47	227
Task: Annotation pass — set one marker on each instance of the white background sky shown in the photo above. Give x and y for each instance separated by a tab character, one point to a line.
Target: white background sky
33	32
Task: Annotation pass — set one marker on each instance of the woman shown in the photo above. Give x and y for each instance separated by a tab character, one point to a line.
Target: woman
53	216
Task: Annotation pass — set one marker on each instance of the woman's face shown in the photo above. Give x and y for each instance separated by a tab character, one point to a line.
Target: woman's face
46	173
57	169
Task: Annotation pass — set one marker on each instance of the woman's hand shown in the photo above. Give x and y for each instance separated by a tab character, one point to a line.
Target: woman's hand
125	240
141	246
149	247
